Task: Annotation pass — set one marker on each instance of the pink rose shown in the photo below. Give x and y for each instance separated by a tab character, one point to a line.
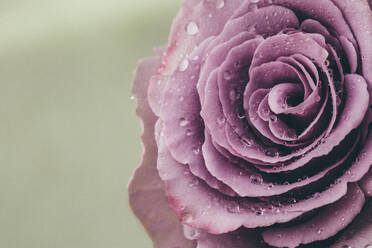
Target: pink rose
257	126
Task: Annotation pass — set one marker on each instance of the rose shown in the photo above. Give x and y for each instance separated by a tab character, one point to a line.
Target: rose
257	117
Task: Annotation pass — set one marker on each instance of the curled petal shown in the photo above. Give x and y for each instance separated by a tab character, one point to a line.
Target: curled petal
146	186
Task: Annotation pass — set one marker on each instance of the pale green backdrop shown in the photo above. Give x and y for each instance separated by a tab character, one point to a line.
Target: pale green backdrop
69	139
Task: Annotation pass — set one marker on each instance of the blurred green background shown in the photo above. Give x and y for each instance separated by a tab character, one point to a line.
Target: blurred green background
69	135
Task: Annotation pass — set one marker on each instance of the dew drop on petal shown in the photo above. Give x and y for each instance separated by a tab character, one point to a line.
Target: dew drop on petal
183	122
246	142
220	4
196	150
194	183
192	233
241	116
273	118
237	64
316	195
319	231
221	120
187	218
189	132
181	98
338	100
233	207
232	95
259	212
192	28
227	75
257	179
184	65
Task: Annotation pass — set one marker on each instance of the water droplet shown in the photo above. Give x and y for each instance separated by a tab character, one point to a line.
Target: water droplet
234	207
316	195
319	231
270	186
232	95
220	4
338	101
194	183
259	212
184	65
257	179
132	98
241	116
273	118
237	64
183	122
254	1
189	132
192	28
326	62
246	142
196	150
196	57
187	218
227	75
271	153
191	233
317	98
221	120
279	236
251	28
181	98
210	15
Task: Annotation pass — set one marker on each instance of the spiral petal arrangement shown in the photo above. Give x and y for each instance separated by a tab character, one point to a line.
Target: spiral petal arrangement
261	116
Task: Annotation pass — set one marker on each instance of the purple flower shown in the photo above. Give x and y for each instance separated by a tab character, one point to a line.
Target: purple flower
257	126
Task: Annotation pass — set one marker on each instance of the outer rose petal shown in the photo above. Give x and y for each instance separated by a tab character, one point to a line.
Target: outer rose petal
325	224
359	234
146	190
241	238
359	17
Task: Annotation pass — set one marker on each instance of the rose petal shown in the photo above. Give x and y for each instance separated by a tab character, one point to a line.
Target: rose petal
146	186
359	17
242	238
326	223
359	233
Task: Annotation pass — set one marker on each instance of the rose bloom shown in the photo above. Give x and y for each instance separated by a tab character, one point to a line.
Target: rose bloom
256	122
